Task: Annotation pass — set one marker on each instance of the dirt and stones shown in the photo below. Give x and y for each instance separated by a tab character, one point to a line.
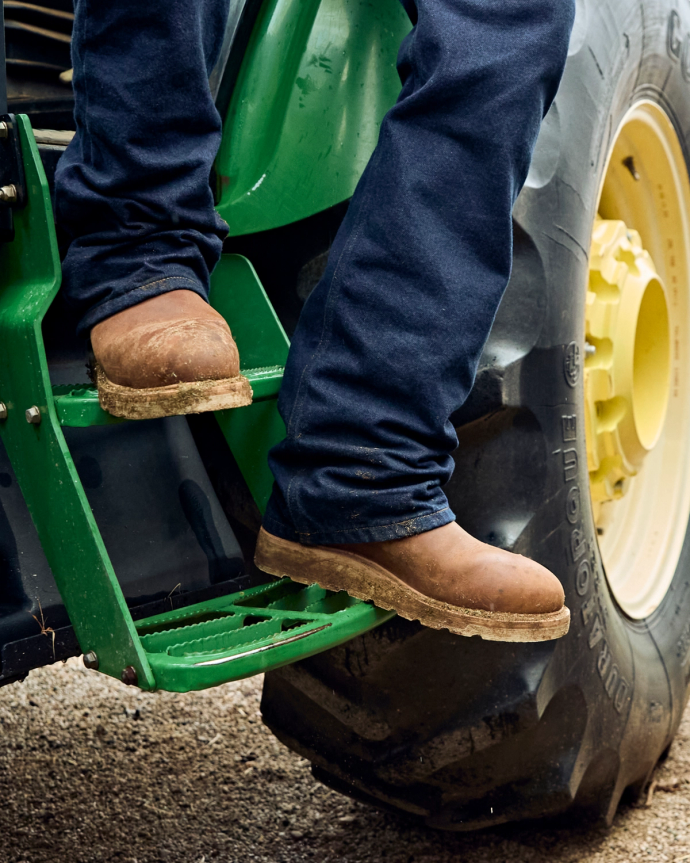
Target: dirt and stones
91	770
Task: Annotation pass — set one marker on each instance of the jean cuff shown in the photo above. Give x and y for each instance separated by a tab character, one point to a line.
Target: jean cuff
137	295
378	533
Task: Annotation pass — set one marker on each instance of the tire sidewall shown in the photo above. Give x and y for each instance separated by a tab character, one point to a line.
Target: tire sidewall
636	672
467	733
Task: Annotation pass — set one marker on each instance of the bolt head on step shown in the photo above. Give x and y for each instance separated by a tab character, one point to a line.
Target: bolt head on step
129	676
3	411
33	415
91	660
8	194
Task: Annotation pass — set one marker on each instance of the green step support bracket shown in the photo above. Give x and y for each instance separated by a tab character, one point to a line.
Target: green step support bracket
239	296
198	646
29	280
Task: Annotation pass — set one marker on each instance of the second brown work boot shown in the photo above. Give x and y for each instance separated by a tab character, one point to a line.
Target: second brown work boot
172	354
444	578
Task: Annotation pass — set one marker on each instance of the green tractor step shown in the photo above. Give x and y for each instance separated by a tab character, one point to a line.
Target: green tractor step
249	632
223	639
78	406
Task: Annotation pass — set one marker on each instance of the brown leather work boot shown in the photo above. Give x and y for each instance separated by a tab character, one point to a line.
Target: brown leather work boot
172	354
444	578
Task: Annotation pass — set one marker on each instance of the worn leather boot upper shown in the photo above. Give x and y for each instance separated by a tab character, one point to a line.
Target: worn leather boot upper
172	338
450	565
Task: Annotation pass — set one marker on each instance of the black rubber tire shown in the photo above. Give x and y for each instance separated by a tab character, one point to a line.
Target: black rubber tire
466	733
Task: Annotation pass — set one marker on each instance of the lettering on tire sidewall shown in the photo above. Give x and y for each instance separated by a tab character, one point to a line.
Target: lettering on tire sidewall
581	553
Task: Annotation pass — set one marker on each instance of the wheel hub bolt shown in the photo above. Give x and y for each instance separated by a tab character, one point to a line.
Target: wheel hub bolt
33	415
3	411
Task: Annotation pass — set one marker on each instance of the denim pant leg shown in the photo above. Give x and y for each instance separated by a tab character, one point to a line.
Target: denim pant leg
132	189
388	343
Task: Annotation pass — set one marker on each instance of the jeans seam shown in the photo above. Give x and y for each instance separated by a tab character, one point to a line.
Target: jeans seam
166	279
327	319
86	18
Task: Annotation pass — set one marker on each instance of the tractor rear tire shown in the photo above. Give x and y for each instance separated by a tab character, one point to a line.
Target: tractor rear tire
465	733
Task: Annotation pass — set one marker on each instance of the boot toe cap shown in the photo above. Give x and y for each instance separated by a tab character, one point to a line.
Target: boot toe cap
529	588
511	584
170	353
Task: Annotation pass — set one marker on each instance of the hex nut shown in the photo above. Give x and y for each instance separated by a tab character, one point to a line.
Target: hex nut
4	129
8	194
129	676
3	411
33	415
91	660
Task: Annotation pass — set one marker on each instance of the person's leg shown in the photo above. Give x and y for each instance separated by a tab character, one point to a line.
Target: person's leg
388	343
133	197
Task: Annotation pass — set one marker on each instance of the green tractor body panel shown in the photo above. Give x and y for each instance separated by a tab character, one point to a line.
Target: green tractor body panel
316	81
199	645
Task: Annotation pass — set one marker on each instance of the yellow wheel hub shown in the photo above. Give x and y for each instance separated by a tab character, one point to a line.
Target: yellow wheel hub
627	359
637	360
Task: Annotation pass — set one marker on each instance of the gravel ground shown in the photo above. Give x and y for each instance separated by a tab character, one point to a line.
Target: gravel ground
91	770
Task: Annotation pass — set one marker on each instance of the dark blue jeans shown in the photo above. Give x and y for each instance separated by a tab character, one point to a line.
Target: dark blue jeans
388	343
132	190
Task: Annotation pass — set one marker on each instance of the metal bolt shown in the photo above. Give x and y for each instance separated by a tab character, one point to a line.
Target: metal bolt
33	415
8	194
590	350
4	129
91	660
129	676
3	411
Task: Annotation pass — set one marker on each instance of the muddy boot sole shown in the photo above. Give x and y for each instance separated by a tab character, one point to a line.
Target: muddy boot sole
183	398
335	569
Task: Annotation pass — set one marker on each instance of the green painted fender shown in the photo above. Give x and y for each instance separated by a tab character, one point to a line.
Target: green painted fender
316	80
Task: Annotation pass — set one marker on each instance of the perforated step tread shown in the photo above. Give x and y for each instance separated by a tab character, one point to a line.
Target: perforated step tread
255	630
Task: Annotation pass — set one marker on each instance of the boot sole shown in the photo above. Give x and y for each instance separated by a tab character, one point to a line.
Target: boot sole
183	398
335	569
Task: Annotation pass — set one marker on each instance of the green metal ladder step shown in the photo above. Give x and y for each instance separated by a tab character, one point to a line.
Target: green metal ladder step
256	630
197	646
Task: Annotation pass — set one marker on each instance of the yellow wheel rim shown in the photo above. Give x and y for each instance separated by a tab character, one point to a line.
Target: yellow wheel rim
637	360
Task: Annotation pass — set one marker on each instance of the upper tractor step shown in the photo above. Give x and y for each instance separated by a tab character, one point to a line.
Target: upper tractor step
197	646
78	405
